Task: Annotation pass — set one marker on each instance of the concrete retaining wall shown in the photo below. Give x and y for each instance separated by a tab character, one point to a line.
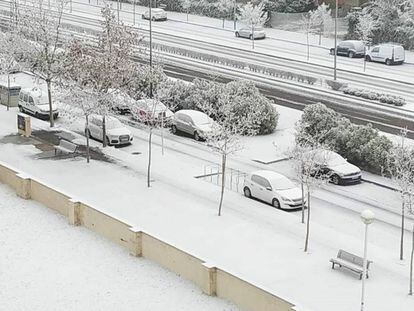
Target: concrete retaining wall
210	279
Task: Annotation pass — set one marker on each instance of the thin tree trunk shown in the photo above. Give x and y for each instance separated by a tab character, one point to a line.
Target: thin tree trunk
149	158
307	44
104	142
88	155
162	135
8	91
223	181
223	22
411	264
402	229
49	95
320	38
252	37
303	202
307	223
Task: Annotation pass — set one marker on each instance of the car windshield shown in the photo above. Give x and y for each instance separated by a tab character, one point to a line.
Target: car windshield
202	119
258	28
113	124
335	159
282	183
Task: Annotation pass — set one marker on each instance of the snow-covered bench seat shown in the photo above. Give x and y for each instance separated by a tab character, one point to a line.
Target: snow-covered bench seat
350	261
66	146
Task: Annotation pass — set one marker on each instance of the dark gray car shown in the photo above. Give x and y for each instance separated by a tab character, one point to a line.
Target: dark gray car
350	48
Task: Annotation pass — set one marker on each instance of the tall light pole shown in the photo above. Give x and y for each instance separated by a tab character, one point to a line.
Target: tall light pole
336	37
367	218
234	14
150	44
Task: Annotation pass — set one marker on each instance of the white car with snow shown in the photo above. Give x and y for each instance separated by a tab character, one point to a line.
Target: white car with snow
273	188
193	122
335	167
35	101
116	133
389	54
251	33
152	111
156	15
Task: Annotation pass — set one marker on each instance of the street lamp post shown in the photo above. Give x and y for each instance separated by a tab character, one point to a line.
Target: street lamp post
336	36
367	218
150	45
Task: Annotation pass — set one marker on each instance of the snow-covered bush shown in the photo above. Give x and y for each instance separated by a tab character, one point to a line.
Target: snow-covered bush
362	145
202	93
371	95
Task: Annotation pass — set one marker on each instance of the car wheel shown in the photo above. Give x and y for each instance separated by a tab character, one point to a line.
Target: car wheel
143	16
36	115
153	19
251	37
88	133
20	108
237	34
335	179
351	54
196	136
332	52
388	62
368	58
247	192
276	203
174	129
107	141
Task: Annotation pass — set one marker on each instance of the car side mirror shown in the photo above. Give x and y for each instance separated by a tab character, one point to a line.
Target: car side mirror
269	188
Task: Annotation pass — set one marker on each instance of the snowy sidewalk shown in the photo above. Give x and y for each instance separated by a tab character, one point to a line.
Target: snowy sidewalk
251	240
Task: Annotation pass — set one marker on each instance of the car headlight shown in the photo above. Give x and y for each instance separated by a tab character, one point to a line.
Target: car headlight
285	199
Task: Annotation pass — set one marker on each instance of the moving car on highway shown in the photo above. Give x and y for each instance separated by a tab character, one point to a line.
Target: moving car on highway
248	32
389	54
156	15
193	122
350	48
36	102
116	133
273	188
335	167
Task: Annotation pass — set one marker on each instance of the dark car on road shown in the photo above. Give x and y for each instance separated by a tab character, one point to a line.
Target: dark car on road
350	48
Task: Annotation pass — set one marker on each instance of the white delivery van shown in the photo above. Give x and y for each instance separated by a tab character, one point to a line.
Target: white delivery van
389	54
35	102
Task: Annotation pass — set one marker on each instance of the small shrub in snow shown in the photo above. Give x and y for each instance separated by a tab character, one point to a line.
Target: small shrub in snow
336	85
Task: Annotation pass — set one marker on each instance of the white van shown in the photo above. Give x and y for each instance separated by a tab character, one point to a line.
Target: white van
35	101
389	54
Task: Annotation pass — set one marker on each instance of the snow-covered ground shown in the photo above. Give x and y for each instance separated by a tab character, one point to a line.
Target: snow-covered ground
251	239
46	264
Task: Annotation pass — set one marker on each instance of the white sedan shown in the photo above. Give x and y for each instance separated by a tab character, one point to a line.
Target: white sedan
116	133
156	15
273	188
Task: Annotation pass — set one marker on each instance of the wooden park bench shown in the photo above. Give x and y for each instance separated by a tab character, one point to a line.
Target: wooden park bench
66	146
350	261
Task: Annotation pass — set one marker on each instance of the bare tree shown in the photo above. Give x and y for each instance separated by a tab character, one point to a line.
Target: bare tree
309	158
321	20
306	25
9	46
224	138
411	211
225	7
253	16
400	166
41	22
186	5
365	27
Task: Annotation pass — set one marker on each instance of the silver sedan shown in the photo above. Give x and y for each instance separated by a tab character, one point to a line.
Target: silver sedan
249	32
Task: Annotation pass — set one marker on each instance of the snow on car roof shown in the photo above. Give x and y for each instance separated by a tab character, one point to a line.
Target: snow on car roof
195	115
271	175
157	10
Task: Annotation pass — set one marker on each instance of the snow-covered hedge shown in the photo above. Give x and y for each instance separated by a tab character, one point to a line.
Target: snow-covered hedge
371	95
336	85
201	93
361	145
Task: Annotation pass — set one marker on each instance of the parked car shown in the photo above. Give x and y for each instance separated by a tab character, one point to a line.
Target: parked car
350	48
156	15
248	32
335	167
116	133
35	101
273	188
193	122
123	102
151	110
388	54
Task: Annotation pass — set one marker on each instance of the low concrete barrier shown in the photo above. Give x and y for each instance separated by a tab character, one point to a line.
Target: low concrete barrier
209	278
